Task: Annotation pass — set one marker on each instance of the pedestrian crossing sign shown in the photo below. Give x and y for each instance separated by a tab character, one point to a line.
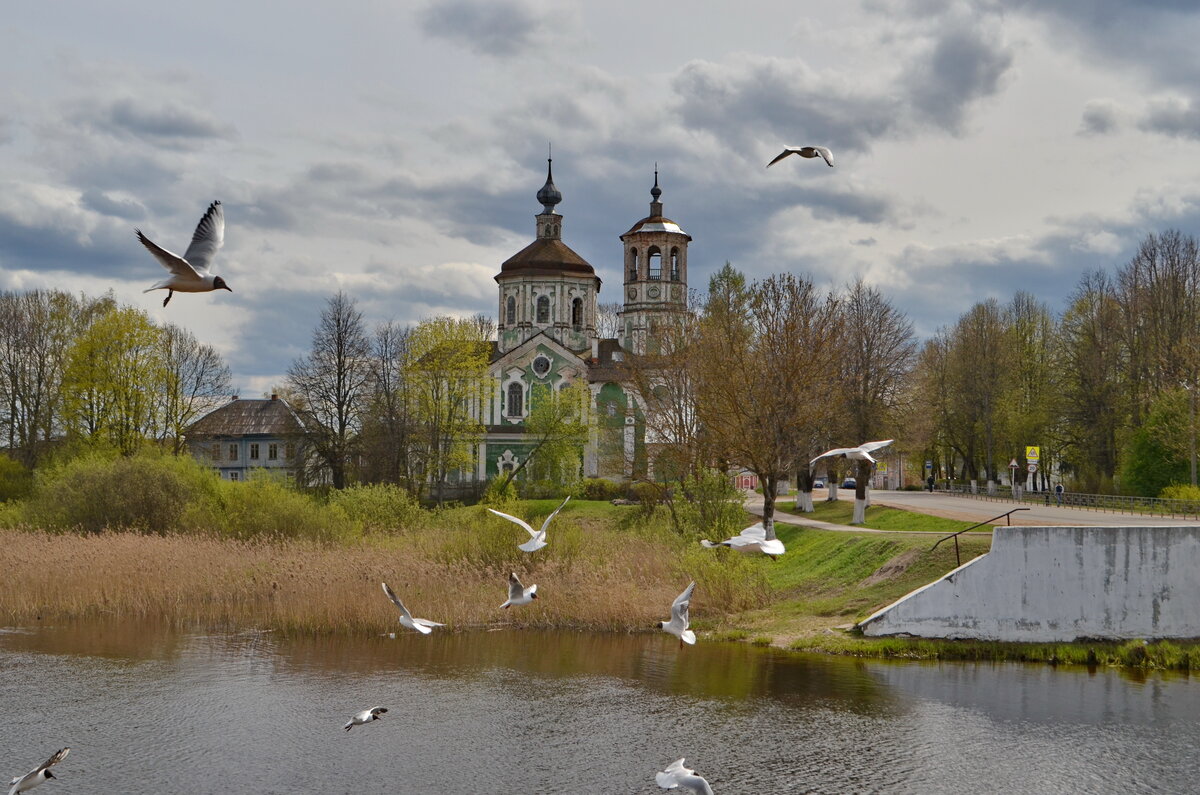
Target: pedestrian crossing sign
1032	453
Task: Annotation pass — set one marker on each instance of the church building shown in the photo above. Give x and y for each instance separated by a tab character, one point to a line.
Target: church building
547	336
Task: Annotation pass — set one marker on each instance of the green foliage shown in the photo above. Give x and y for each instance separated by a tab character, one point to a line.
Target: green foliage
147	492
480	539
1148	466
1181	491
709	506
601	489
379	507
16	480
500	492
733	580
264	507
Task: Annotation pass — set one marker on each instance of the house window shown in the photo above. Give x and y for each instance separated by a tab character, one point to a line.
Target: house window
510	311
654	257
233	451
289	451
543	309
674	264
577	314
515	395
254	451
215	452
272	452
235	476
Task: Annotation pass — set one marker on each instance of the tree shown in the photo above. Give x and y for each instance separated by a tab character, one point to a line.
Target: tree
557	428
449	380
332	382
608	320
389	422
196	380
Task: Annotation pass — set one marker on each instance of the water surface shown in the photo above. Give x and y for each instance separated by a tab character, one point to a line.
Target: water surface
156	711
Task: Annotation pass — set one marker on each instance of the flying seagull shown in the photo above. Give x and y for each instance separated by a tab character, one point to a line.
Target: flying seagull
678	625
517	593
805	151
424	626
189	273
676	775
860	453
537	540
37	775
750	539
366	716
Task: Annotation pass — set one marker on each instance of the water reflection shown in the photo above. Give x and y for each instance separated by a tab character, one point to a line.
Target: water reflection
548	712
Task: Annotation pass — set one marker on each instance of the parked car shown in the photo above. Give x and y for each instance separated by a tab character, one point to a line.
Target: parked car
819	483
849	483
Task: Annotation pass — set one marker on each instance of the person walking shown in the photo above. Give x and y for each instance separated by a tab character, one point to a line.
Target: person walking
929	483
1058	492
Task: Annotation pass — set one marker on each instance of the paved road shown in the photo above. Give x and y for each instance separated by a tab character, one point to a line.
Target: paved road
977	510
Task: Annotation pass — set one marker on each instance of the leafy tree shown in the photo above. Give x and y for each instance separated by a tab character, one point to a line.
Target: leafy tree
557	427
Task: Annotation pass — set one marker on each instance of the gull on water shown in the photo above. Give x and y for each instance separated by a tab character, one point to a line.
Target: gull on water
366	716
38	774
189	273
751	539
860	453
422	625
676	775
678	625
805	151
518	594
536	540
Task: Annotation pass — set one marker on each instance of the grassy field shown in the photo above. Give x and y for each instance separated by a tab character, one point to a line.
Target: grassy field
879	517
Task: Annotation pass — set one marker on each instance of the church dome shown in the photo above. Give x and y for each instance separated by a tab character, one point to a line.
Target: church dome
655	221
546	255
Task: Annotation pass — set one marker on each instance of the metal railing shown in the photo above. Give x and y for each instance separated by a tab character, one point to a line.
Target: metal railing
1007	517
1110	503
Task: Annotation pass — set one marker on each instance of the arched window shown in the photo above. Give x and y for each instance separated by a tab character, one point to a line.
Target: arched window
654	261
543	309
577	314
633	274
515	394
510	312
675	264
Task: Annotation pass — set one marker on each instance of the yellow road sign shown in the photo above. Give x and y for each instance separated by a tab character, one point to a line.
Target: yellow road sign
1032	453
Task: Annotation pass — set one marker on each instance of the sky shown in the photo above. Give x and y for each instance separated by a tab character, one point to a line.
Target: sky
392	150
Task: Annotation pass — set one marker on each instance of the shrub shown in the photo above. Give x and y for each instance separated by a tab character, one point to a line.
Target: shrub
266	508
728	580
16	480
601	489
148	492
711	506
499	493
1180	492
379	507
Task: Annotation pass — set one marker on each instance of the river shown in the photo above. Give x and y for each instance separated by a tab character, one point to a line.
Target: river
147	710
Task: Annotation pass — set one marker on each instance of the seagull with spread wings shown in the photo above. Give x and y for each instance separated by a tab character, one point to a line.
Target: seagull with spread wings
676	775
366	716
678	625
537	540
422	625
751	539
189	273
38	774
860	453
805	151
517	593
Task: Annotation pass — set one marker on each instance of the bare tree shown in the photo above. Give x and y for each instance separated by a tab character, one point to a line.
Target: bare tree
608	320
389	424
196	381
333	382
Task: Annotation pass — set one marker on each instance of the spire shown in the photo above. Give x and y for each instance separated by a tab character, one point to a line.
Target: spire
549	195
655	193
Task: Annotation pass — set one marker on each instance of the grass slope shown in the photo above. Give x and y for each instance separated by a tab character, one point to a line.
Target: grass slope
879	517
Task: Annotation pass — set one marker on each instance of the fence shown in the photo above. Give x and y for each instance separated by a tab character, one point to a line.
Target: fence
1109	503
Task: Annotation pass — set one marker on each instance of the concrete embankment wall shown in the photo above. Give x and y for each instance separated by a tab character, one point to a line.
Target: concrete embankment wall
1060	584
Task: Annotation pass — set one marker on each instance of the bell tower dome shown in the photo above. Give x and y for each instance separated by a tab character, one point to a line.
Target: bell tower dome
655	268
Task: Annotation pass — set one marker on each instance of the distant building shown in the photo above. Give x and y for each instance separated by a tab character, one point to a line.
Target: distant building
246	435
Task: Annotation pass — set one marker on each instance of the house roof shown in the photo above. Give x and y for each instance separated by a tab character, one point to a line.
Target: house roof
247	417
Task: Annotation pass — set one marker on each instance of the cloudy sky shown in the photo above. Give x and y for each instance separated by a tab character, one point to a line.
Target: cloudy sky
393	149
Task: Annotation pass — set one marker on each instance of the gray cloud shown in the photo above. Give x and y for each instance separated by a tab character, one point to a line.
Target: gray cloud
104	204
62	239
1175	117
500	28
1100	117
162	124
964	64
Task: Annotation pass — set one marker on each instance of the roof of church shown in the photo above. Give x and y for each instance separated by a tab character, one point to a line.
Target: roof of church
657	223
546	254
245	417
611	364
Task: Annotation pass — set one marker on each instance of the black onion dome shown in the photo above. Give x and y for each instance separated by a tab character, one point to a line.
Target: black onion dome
549	195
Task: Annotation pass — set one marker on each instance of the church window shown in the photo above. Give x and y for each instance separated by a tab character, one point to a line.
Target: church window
543	309
633	270
577	314
510	312
654	261
675	264
541	366
515	395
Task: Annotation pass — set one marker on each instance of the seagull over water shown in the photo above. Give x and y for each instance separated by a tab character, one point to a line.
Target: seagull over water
189	273
366	716
37	775
678	625
751	539
537	540
805	151
676	775
860	453
422	625
517	593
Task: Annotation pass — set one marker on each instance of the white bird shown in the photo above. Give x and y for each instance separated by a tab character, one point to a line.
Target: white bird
537	540
518	594
860	453
366	716
676	775
678	625
422	625
751	539
805	151
189	273
37	775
